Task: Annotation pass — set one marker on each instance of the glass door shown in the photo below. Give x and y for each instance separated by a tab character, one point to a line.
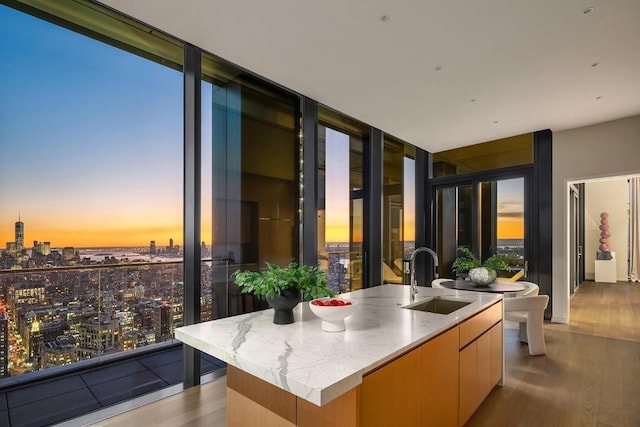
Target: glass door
502	221
484	215
454	218
575	238
398	208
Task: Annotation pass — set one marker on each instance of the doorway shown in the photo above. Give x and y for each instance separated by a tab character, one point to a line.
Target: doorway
576	236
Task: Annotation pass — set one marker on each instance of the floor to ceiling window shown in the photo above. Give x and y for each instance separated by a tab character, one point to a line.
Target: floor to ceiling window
398	219
341	205
251	130
91	138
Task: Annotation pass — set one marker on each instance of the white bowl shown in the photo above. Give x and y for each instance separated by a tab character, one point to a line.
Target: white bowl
333	316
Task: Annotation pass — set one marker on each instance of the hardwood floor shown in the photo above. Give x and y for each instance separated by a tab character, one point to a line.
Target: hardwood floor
204	405
590	375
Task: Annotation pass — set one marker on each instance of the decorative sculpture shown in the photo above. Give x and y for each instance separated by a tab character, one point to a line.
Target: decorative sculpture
604	252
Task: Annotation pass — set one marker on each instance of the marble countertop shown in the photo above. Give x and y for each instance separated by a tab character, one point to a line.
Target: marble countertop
320	366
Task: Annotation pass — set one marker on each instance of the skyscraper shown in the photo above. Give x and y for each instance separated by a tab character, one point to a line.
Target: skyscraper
4	343
152	248
19	235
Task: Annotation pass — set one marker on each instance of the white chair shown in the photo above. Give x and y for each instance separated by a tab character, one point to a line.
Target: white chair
436	283
528	311
532	289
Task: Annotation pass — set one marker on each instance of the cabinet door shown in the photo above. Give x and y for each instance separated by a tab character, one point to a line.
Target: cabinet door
496	354
390	395
480	370
440	358
484	366
469	382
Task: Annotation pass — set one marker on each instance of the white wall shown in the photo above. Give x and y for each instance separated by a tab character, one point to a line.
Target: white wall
609	196
606	149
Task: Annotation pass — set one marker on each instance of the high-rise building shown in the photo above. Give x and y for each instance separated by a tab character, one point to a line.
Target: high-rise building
4	344
57	352
11	248
19	235
162	321
38	247
97	336
152	248
170	243
68	253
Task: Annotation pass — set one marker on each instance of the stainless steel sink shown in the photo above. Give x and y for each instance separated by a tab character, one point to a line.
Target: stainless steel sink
438	305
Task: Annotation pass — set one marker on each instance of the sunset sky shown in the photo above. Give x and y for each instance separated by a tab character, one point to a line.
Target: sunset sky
511	209
337	186
98	160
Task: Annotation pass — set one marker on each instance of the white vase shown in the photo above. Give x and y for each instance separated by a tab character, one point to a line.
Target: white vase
482	276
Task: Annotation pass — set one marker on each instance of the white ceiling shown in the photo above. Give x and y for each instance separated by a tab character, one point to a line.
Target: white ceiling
527	64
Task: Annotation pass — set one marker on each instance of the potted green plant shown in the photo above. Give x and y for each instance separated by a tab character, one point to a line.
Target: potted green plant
479	273
465	261
284	287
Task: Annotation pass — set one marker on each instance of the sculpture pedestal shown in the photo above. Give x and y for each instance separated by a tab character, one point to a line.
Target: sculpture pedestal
606	270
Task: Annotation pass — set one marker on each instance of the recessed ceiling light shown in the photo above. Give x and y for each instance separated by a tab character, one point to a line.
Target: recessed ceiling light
438	67
385	18
588	10
595	64
598	97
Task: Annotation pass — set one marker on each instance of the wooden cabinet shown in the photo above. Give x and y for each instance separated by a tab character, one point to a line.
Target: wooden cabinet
439	401
480	361
475	367
340	412
252	401
390	395
441	383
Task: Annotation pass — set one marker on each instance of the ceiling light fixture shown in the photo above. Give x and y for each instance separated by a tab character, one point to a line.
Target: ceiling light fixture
384	18
472	100
495	122
598	97
588	10
595	64
438	67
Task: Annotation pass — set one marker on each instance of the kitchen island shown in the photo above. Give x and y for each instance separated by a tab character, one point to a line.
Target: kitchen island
299	375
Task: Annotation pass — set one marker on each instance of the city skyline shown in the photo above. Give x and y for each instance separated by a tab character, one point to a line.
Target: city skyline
89	240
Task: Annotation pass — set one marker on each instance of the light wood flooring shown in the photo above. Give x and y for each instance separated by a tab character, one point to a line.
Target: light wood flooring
590	375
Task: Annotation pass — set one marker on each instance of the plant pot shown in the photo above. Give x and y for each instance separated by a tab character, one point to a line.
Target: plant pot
482	276
283	305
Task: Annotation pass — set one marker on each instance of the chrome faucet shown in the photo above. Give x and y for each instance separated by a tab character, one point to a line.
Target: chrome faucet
413	290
